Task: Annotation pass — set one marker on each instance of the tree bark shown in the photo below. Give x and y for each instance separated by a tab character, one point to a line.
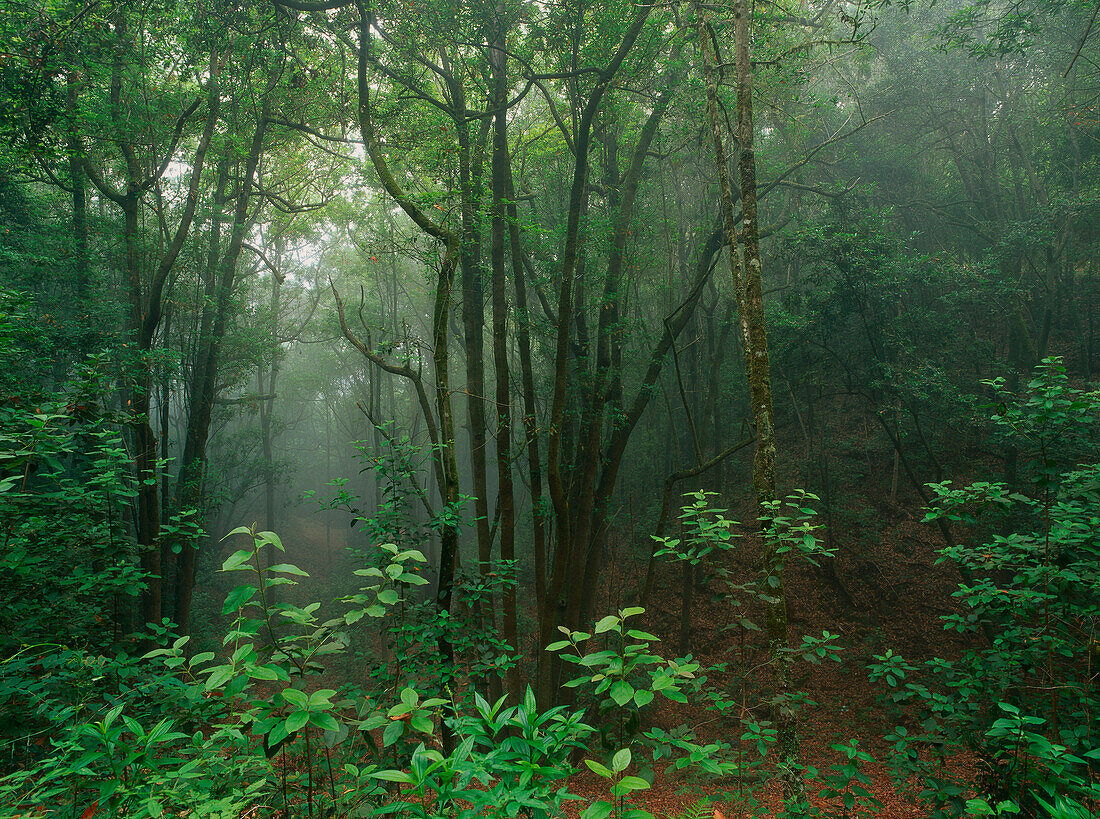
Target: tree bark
444	445
501	170
750	302
204	390
555	481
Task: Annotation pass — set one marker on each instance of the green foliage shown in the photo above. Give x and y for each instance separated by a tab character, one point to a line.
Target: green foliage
525	754
625	678
791	528
124	767
68	562
705	530
412	634
847	784
1021	700
136	764
517	756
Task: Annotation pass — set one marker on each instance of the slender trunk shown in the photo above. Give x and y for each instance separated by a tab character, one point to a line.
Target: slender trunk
267	407
473	321
138	402
530	417
749	294
78	180
164	400
193	466
448	535
582	142
501	170
443	434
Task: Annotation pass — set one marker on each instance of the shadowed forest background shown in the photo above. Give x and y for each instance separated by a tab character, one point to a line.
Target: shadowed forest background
452	408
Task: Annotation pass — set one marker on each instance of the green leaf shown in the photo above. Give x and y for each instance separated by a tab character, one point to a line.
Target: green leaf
296	697
622	692
236	560
395	776
632	783
643	697
296	720
237	598
326	722
219	676
288	568
598	810
263	672
200	658
278	733
320	698
393	732
607	624
632	611
621	761
272	538
600	769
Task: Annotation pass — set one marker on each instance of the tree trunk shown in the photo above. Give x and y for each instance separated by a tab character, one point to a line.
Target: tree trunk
204	390
750	302
563	518
501	170
446	468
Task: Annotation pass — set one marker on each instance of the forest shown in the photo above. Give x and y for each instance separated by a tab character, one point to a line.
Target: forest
550	408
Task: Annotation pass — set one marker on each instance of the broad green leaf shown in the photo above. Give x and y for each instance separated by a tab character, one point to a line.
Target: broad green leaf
236	560
394	776
263	672
272	538
296	720
606	624
296	697
622	692
288	568
598	810
237	598
392	733
219	676
600	769
621	761
324	721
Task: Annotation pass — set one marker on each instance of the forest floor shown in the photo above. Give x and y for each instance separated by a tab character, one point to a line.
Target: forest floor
885	593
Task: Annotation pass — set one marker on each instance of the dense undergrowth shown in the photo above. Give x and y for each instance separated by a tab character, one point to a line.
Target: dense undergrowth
101	722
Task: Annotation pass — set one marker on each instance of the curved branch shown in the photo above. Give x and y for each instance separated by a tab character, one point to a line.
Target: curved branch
403	370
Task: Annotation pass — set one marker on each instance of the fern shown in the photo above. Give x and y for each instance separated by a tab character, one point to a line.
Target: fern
700	810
